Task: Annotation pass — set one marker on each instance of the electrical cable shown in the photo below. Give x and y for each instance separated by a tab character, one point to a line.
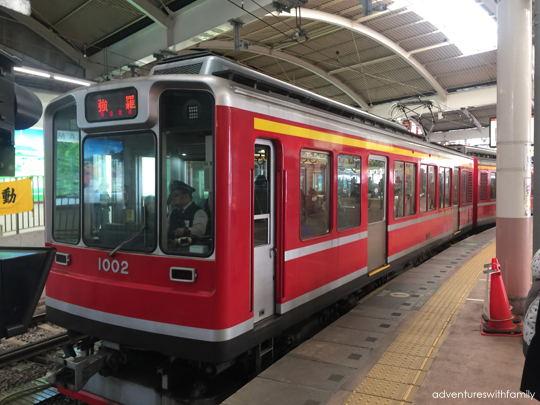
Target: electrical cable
419	92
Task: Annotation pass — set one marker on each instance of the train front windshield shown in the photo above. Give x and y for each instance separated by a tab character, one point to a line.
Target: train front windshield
111	180
120	191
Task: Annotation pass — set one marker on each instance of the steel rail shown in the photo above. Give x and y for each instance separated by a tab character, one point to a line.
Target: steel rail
33	349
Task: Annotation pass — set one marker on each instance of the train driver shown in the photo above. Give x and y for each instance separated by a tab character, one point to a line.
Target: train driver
186	218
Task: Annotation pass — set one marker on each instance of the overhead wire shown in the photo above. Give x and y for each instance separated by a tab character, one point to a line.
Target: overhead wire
418	91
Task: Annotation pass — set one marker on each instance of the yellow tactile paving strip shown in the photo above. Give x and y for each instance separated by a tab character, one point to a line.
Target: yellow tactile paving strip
398	374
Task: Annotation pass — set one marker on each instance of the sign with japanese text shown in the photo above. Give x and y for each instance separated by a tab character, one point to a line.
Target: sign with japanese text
16	196
119	104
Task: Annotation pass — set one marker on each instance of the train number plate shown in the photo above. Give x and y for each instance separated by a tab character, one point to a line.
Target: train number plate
113	265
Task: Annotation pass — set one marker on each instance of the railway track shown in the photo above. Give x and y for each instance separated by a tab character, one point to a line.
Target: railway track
33	349
29	349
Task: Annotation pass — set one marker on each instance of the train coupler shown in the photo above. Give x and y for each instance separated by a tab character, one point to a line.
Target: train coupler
73	373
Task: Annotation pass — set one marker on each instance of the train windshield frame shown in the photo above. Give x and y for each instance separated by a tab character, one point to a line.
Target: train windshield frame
187	135
66	201
120	190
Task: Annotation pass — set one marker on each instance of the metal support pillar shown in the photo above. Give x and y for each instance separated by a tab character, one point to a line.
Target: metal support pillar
514	69
536	179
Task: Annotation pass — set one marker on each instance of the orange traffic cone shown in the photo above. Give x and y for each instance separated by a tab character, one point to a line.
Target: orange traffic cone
497	318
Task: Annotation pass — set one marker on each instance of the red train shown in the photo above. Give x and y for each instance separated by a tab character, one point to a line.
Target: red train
201	211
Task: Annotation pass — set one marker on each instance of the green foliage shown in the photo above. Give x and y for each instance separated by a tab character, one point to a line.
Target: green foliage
67	169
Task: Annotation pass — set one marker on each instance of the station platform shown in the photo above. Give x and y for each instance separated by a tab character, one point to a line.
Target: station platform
414	340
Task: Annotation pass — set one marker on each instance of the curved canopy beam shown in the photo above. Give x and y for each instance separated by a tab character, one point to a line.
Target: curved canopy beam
374	35
262	50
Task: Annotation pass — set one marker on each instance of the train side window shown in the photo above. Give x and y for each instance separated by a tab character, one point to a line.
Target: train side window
463	186
66	201
262	193
483	186
456	187
410	189
349	191
432	202
469	186
447	175
493	188
314	194
423	188
399	176
441	188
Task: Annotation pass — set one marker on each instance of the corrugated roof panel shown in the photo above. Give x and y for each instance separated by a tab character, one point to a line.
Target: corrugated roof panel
463	63
409	31
424	42
393	91
417	44
474	77
99	20
311	82
345	99
391	65
485	113
438	54
392	20
344	7
55	10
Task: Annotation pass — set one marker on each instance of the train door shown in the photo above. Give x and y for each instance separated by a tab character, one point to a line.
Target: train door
456	201
264	230
377	212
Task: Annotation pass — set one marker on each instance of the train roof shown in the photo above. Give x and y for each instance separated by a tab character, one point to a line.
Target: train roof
474	151
207	63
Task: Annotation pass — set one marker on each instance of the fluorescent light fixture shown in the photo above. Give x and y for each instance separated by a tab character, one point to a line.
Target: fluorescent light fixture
48	75
31	72
69	80
464	23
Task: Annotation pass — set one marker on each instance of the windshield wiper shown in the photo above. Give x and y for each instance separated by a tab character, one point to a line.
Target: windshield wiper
126	241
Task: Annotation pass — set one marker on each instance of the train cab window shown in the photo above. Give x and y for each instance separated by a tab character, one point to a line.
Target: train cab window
66	201
314	194
493	187
432	202
483	186
410	189
456	187
187	167
399	177
349	191
447	175
463	186
119	192
423	188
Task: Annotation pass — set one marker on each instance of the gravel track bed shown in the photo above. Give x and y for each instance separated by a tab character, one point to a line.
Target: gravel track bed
20	373
17	374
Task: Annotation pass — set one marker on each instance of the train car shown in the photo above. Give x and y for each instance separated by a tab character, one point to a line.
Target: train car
486	183
203	210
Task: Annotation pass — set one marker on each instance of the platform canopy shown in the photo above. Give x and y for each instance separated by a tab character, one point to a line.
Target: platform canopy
404	51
